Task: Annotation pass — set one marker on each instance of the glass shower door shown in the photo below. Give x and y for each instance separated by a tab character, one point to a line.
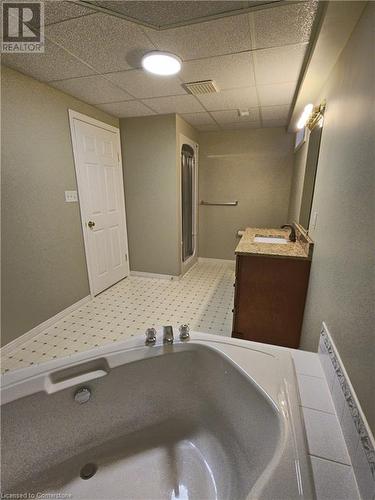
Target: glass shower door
187	188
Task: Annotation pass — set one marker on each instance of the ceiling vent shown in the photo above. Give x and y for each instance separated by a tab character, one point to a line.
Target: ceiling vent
203	87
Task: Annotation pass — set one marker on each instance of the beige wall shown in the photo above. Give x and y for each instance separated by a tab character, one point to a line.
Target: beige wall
252	166
43	259
151	196
342	280
152	191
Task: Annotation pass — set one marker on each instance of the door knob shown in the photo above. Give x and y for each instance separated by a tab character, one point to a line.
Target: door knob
91	224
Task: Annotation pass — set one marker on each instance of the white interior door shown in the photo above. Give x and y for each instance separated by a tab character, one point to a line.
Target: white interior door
97	156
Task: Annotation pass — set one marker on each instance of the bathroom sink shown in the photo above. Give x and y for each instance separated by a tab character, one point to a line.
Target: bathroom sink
270	239
212	418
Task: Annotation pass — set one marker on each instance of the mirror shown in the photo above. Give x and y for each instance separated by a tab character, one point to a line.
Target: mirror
312	159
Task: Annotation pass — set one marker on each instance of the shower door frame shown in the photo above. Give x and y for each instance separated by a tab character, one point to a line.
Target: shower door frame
183	139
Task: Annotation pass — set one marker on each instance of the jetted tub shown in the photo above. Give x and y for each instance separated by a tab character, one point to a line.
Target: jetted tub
210	418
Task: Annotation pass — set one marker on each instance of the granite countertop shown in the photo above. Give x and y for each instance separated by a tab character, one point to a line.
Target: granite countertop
300	249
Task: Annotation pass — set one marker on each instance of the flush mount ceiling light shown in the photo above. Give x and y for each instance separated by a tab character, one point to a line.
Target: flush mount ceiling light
161	63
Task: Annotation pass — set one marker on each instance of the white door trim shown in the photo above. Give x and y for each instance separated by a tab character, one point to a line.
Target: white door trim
186	140
75	115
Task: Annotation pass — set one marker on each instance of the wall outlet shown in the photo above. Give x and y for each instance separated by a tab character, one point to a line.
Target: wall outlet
71	196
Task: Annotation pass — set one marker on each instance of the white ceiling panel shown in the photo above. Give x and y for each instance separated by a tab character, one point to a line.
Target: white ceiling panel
236	125
275	113
142	85
274	123
223	36
105	42
279	65
277	94
283	25
54	64
207	127
57	11
164	13
92	89
126	109
174	104
198	118
231	116
230	99
229	72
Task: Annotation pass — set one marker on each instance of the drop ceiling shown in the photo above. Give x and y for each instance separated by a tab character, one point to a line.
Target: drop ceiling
254	56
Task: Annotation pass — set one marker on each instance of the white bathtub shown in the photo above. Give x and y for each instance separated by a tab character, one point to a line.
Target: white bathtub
211	418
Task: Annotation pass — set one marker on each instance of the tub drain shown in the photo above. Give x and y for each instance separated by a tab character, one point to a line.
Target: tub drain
88	471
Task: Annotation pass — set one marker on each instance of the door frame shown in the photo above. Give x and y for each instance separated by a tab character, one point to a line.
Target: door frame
183	139
75	115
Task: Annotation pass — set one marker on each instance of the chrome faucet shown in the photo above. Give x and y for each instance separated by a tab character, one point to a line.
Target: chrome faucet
184	332
167	335
292	235
150	336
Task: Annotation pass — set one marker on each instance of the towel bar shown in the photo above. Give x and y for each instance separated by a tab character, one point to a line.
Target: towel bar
224	204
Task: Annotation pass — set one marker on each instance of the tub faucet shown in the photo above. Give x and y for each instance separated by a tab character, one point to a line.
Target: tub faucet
150	336
167	335
292	235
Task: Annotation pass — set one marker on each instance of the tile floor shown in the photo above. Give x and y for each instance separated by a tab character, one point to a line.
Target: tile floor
203	298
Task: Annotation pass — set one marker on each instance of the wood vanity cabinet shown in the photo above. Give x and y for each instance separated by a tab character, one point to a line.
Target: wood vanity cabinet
269	299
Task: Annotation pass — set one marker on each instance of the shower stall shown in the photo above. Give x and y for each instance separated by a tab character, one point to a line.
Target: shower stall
188	199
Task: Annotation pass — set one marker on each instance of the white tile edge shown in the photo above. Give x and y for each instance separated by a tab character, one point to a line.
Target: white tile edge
14	344
141	274
365	437
218	261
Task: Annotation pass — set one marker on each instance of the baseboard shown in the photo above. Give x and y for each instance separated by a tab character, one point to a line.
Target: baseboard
14	344
357	433
219	261
142	274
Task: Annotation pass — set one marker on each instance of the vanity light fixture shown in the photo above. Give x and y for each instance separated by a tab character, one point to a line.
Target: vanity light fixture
161	63
305	116
312	116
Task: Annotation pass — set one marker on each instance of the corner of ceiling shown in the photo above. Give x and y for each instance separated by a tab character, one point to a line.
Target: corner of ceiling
335	26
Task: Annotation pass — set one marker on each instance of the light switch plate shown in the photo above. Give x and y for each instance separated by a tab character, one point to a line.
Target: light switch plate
71	196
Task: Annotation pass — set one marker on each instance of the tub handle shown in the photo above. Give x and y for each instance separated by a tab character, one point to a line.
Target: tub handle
76	375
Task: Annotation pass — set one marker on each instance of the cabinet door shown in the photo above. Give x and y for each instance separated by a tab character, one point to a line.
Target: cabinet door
270	299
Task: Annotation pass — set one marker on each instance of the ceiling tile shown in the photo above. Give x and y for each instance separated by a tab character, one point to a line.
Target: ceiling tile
207	127
142	85
231	116
283	25
229	72
230	99
107	43
275	123
236	125
198	118
92	89
126	109
174	104
55	12
165	13
212	38
282	64
277	94
54	64
275	112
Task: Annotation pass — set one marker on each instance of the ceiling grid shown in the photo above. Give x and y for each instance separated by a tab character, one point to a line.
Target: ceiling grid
254	57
